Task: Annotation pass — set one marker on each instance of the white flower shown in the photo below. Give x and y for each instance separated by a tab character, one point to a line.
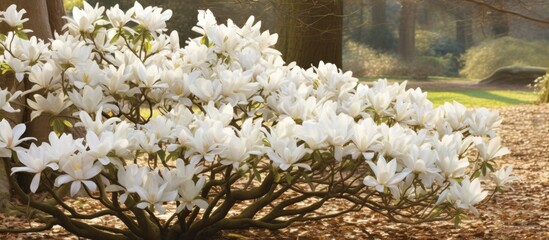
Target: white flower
491	149
130	178
13	17
190	195
386	176
11	137
287	153
483	122
84	20
153	19
464	195
207	140
100	146
186	172
422	162
52	104
35	161
62	146
90	99
5	98
339	131
234	152
117	17
448	160
366	138
96	125
154	192
503	176
313	134
79	170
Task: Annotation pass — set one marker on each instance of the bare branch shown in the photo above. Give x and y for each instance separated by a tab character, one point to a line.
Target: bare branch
490	6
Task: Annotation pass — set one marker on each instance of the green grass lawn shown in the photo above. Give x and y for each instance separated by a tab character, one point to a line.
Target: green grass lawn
483	98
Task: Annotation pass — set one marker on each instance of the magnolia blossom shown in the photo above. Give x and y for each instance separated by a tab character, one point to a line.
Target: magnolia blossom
154	192
6	97
287	154
35	161
13	17
52	104
130	178
11	137
464	195
386	176
491	149
84	20
152	19
189	193
96	125
503	176
79	169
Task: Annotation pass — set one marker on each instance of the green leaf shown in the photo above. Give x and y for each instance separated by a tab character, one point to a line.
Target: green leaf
457	220
205	41
22	35
162	155
256	173
289	179
57	126
115	38
276	176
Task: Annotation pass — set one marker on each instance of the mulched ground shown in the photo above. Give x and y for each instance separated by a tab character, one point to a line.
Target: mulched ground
519	214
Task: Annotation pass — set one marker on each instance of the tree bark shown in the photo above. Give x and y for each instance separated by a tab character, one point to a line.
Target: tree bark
56	11
499	21
407	30
310	31
39	23
464	29
380	34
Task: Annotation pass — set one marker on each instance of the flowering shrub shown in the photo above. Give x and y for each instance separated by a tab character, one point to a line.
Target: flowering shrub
222	134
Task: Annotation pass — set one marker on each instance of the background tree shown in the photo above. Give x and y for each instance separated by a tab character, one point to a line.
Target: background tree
380	33
45	18
407	30
310	31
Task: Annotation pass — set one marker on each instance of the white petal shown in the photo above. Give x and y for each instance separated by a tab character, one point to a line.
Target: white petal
201	203
370	181
35	182
380	188
75	187
62	180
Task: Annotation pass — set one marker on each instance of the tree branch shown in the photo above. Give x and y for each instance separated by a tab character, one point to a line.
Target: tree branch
537	20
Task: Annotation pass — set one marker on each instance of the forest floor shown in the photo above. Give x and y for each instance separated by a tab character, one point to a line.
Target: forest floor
522	213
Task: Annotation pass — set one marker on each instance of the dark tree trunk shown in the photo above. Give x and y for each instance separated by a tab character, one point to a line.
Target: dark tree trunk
464	29
499	21
56	11
310	31
38	13
407	30
380	35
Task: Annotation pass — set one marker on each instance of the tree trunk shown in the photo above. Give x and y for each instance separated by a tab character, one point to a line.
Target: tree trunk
464	29
39	21
499	21
310	31
380	34
407	30
56	11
